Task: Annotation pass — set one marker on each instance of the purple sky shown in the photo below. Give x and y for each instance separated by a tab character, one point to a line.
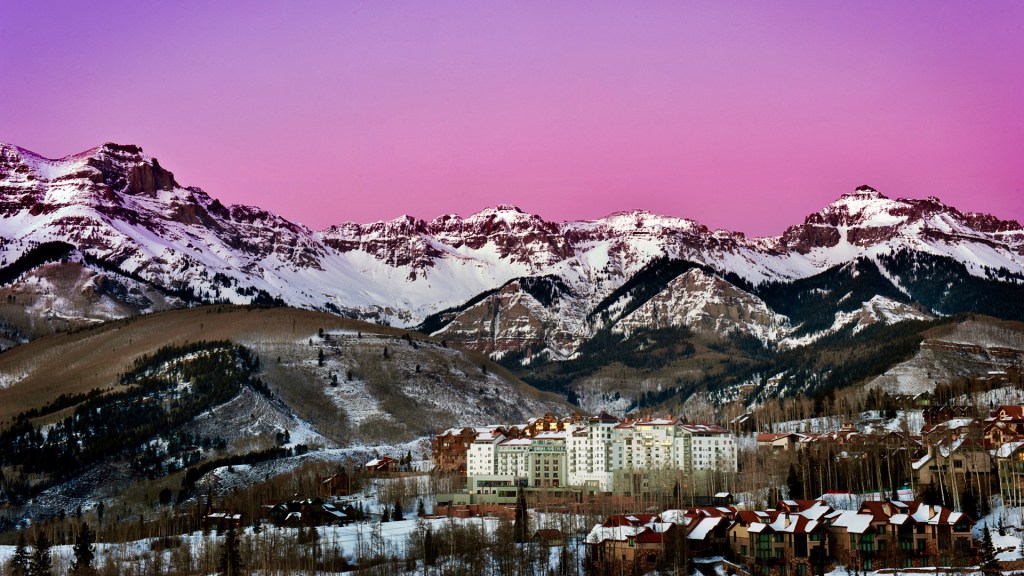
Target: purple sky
745	116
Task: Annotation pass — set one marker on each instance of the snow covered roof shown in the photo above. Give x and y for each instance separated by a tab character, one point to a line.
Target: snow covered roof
854	522
651	531
658	422
947	450
785	522
703	528
675	517
816	511
1006	450
936	515
549	435
917	464
224	515
704	429
517	442
959	423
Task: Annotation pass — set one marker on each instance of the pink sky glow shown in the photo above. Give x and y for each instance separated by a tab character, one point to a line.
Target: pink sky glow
741	115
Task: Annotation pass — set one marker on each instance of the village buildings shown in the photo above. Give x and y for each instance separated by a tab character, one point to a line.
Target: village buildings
796	538
598	454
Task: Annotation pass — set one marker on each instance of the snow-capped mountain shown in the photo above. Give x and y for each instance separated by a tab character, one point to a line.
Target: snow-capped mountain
696	299
498	281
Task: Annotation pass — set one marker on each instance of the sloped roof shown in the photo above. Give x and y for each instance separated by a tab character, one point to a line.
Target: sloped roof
704	429
704	527
1012	412
854	522
786	523
1006	450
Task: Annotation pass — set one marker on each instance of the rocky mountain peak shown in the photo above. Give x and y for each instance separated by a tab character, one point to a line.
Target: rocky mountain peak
116	203
127	170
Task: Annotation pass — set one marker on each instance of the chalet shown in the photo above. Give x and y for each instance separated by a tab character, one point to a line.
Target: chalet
308	512
707	533
950	429
718	499
846	435
952	464
630	543
851	539
782	442
1005	424
1010	468
936	414
381	466
787	544
901	534
789	540
222	520
549	537
742	423
340	484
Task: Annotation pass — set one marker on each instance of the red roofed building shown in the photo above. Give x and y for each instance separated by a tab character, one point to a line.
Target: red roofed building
633	544
381	466
902	534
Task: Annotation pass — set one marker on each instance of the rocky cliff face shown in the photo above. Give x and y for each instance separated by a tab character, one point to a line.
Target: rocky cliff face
119	205
708	304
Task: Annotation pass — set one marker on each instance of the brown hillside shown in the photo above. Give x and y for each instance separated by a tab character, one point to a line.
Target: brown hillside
35	373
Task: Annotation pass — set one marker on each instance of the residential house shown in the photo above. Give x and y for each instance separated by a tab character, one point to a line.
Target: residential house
382	466
791	541
549	537
779	442
308	512
340	484
897	534
1010	466
635	543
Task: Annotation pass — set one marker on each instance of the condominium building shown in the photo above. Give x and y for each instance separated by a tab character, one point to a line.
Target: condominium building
597	452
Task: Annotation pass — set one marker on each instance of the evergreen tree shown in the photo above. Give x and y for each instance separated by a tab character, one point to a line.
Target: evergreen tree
989	565
430	552
21	560
421	510
385	516
521	527
968	501
396	512
41	564
84	551
795	484
230	562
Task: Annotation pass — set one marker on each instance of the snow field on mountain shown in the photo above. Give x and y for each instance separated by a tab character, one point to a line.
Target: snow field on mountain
403	270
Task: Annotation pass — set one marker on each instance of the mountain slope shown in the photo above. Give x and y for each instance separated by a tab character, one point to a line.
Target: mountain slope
445	382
